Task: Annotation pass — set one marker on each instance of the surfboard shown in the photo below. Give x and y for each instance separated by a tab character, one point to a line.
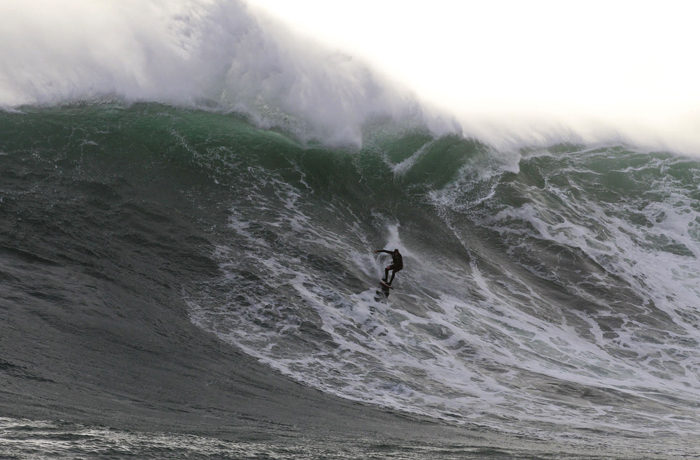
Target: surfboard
383	291
385	285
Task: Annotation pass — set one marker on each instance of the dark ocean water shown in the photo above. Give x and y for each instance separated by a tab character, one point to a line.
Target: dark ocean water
178	283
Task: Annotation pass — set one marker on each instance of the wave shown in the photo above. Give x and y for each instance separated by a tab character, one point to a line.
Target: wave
552	287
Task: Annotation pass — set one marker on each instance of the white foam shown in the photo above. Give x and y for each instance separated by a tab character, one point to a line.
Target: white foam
659	276
403	166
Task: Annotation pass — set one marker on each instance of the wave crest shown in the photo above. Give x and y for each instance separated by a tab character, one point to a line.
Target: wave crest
196	53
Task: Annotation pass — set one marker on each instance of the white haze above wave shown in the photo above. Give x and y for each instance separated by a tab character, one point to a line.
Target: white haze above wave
509	72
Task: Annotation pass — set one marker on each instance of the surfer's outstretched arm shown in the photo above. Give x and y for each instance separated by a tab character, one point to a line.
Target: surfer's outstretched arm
382	250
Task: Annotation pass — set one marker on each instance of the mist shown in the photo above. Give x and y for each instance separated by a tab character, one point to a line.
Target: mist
528	72
508	73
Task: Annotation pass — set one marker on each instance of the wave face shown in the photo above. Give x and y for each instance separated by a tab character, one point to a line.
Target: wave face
556	286
549	292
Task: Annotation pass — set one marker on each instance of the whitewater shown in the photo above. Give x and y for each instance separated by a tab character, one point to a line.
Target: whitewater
191	197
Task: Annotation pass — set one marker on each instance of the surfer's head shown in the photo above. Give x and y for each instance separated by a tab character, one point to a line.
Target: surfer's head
396	251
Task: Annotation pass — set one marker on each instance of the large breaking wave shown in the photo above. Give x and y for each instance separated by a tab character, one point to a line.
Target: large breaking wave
551	286
548	290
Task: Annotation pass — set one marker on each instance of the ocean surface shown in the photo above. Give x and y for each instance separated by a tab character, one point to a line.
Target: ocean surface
187	264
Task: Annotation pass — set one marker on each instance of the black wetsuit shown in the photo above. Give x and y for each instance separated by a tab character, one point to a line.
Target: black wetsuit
396	264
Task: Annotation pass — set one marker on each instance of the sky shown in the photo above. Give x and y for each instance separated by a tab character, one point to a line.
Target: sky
629	65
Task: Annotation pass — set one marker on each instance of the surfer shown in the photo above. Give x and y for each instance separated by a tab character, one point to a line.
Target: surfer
396	264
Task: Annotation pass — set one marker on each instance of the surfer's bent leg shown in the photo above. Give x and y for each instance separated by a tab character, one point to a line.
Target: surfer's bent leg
386	273
393	273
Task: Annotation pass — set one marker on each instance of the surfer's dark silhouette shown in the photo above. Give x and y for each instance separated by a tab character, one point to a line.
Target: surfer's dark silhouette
396	264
